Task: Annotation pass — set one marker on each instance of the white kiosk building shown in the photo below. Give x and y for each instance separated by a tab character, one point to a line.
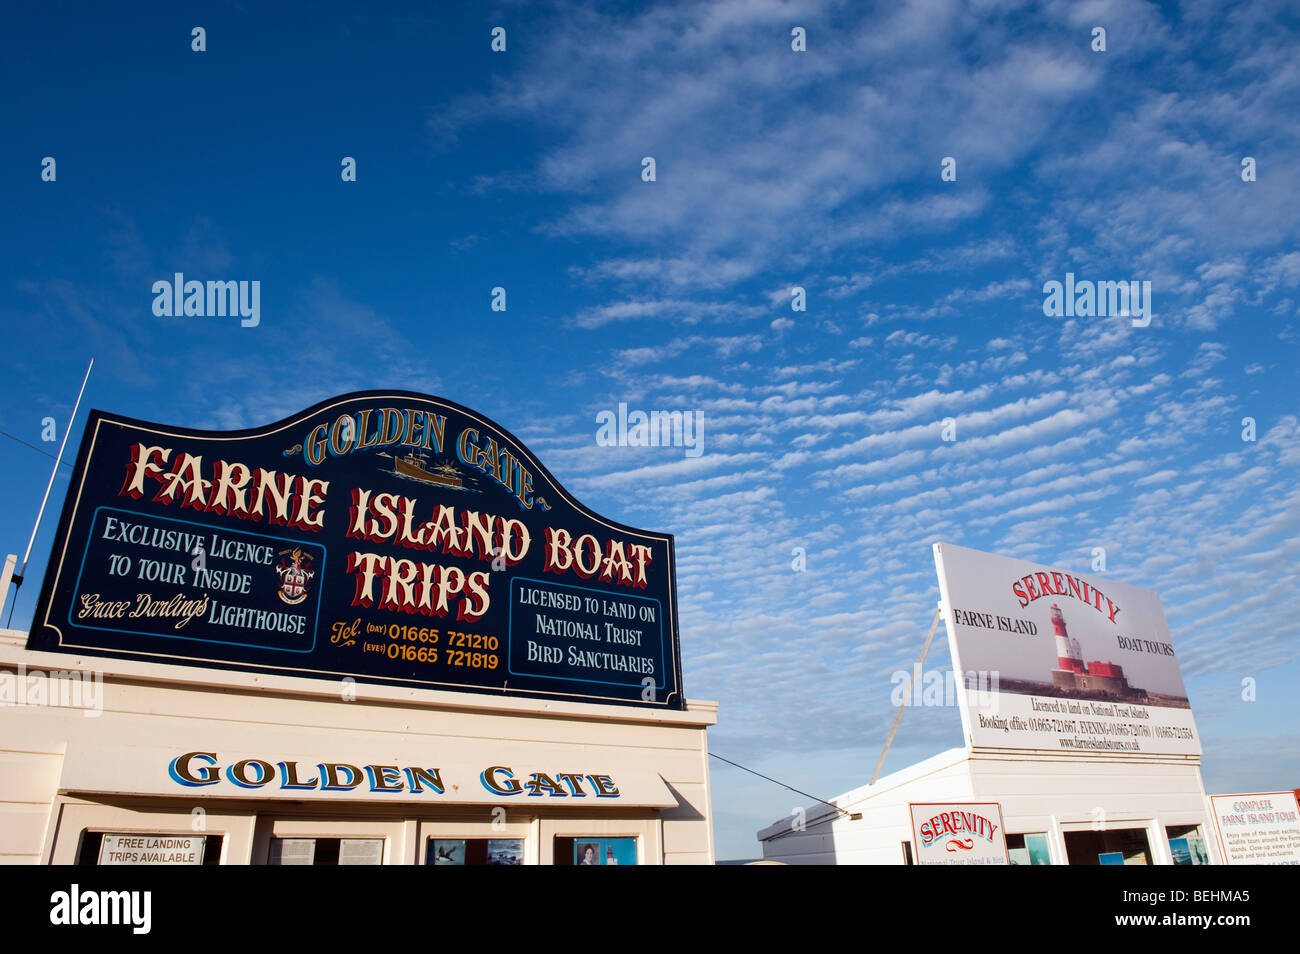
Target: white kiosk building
376	632
1089	751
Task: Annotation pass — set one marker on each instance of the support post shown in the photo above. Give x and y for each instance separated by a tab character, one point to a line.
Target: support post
898	716
10	562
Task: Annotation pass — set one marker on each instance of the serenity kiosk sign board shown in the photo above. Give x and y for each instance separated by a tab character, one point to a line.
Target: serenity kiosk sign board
947	833
1061	661
386	536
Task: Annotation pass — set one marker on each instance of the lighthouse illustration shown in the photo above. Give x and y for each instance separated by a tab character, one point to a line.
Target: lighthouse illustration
1068	654
1072	673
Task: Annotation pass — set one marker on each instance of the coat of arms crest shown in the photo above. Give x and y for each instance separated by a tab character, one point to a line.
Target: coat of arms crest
295	571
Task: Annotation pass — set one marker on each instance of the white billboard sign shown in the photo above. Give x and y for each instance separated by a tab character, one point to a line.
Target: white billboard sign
1061	661
1260	829
953	833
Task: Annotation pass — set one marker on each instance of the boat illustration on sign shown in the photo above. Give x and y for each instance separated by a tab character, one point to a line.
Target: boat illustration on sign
416	467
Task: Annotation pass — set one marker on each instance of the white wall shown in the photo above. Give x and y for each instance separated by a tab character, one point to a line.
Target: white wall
1053	794
148	708
1037	793
877	838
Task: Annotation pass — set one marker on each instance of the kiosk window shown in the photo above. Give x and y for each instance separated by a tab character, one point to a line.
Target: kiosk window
326	851
1187	845
1028	849
595	850
1121	846
474	851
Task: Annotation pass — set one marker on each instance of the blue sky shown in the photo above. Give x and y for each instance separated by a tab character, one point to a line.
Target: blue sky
774	168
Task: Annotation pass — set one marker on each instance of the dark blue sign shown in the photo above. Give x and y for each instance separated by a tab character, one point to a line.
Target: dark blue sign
386	536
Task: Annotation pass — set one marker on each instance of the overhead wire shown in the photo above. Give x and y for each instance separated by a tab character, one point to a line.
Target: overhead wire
782	784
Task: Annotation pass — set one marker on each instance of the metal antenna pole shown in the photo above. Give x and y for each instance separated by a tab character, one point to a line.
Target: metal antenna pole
898	716
18	577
